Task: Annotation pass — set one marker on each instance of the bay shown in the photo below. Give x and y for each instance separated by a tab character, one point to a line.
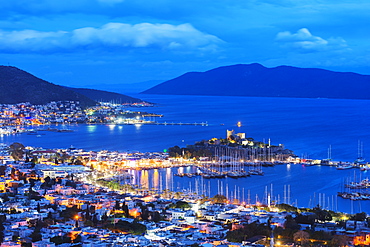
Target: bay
306	126
293	184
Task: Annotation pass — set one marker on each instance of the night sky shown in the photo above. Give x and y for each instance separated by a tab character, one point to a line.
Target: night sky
94	42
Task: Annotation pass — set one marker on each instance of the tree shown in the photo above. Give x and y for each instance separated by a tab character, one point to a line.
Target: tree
87	214
219	199
182	205
72	184
50	215
306	219
144	214
178	194
174	151
290	223
36	236
339	240
16	150
286	207
322	215
248	231
78	162
77	239
124	226
69	213
95	219
1	230
117	206
125	210
359	216
60	239
301	236
156	217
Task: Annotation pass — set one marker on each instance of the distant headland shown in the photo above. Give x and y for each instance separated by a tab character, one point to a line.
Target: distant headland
17	86
255	80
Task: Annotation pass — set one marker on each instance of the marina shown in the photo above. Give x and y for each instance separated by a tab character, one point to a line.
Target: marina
281	183
269	118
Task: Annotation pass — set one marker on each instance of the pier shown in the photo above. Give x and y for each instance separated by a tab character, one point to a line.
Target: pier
133	122
172	123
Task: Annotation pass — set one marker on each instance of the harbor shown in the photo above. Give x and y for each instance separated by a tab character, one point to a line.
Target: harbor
311	173
279	184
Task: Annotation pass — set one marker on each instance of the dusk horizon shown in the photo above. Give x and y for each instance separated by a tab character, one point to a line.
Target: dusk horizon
79	43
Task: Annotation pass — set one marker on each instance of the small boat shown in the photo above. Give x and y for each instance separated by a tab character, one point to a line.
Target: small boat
233	175
256	172
365	168
344	166
360	159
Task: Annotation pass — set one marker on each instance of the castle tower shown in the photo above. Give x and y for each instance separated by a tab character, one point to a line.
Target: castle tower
229	133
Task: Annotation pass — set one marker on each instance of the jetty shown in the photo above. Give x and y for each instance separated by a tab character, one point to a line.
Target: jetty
172	123
148	122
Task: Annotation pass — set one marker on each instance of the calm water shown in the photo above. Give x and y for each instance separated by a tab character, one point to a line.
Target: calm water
306	126
294	184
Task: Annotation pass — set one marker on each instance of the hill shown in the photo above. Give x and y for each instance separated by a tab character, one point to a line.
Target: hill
17	86
104	96
259	81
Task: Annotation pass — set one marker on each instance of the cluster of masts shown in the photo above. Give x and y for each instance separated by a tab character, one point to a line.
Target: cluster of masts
230	162
360	153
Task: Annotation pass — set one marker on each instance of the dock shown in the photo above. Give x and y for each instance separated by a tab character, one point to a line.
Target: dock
133	122
172	123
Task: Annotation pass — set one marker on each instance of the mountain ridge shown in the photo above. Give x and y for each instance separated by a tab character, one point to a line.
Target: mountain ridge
18	86
255	80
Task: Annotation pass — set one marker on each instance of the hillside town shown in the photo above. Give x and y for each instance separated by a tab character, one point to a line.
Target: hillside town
14	116
69	197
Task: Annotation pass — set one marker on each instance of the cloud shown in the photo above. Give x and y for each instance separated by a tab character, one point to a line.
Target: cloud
304	41
112	35
30	40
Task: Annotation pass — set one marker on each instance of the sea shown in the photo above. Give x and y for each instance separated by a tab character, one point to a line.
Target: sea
312	128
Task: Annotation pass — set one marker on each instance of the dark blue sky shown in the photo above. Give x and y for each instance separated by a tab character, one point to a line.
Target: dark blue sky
91	42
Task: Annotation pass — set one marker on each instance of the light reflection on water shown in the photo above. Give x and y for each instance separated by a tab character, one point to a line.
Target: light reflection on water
156	179
91	128
111	127
137	127
144	180
302	187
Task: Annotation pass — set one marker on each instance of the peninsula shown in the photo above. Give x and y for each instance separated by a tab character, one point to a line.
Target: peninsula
18	86
255	80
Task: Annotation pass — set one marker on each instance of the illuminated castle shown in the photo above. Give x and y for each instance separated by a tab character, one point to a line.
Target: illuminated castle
231	135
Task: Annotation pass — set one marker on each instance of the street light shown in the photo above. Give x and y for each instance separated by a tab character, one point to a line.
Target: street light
76	219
